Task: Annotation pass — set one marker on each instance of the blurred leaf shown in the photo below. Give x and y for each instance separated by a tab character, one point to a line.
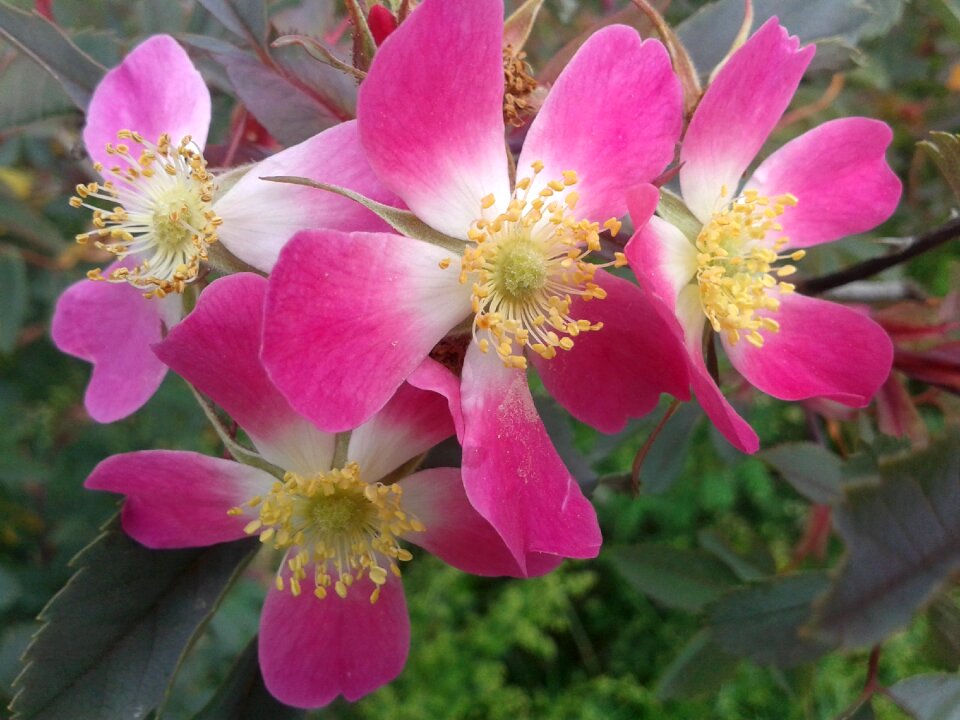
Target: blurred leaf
29	93
516	28
701	668
47	45
944	631
757	566
246	19
903	542
243	695
114	635
556	421
682	579
22	221
863	710
761	621
9	589
665	458
811	469
928	697
944	149
13	297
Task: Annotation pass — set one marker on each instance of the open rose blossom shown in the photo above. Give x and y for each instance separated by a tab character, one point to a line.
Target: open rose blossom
350	316
727	267
158	209
336	621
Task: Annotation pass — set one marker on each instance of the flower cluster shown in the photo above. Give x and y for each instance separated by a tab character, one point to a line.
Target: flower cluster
346	349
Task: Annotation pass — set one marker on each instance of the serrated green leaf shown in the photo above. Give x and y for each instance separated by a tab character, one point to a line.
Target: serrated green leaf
13	297
944	149
812	470
682	579
928	697
246	19
762	621
243	695
699	669
903	542
47	45
114	635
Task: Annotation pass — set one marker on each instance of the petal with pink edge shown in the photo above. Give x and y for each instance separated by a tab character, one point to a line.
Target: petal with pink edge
455	532
349	317
431	375
260	216
217	350
635	341
624	90
840	177
822	350
737	114
410	424
431	112
179	499
313	650
155	90
112	326
511	471
663	258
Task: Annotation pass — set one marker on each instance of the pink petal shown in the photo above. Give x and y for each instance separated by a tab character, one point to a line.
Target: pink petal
635	344
642	203
822	350
431	375
512	473
455	532
179	499
663	258
216	349
840	177
431	112
312	650
410	424
260	216
155	90
349	317
737	114
112	326
625	92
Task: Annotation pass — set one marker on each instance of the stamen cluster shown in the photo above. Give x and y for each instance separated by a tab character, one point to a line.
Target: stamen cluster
736	272
339	527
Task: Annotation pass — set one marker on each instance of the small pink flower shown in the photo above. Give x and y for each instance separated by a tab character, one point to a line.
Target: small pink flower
730	267
349	317
146	130
335	622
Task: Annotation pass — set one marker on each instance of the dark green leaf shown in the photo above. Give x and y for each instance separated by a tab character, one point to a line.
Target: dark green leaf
944	149
243	695
683	579
246	19
903	542
761	622
13	297
664	461
756	566
863	710
114	635
21	221
943	643
929	697
811	469
700	668
48	46
29	93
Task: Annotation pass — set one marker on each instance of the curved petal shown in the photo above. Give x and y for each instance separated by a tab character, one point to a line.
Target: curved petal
822	350
410	424
313	650
260	216
455	532
431	375
431	112
663	258
642	203
626	93
155	90
112	326
737	114
179	499
349	317
511	471
840	177
217	350
635	340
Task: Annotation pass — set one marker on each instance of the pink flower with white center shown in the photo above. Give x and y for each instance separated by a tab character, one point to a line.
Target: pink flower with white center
350	316
158	209
335	621
727	267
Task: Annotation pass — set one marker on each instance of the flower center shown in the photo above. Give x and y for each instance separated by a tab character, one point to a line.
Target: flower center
158	209
340	527
736	269
526	265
